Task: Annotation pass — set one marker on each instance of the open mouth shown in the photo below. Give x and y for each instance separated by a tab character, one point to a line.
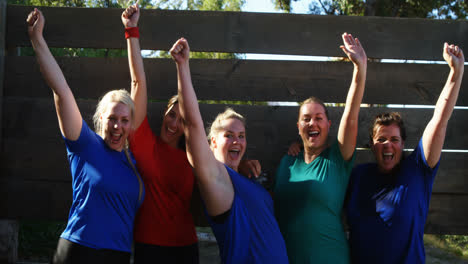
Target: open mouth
314	134
388	156
115	138
234	153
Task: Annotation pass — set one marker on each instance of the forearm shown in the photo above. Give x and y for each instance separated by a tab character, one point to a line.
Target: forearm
347	131
49	68
138	85
434	134
190	111
448	96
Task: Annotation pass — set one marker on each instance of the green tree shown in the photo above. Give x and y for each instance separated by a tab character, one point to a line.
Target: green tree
448	9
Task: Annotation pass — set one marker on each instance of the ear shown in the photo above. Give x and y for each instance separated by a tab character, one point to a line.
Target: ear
329	124
298	128
213	142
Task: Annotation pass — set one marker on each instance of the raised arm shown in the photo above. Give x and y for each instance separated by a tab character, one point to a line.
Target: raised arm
213	180
434	134
348	129
68	114
139	95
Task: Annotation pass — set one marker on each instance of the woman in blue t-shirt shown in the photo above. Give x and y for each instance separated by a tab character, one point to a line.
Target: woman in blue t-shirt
107	190
239	210
389	199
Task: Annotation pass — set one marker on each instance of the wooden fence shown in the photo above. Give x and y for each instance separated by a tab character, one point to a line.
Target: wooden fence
35	181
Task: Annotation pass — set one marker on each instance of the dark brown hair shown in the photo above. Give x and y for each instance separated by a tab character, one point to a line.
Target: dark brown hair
387	119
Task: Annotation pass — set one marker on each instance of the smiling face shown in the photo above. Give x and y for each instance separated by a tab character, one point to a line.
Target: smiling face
116	124
172	126
313	126
229	143
387	146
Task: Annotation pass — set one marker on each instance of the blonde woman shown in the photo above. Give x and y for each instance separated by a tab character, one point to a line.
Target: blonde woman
107	191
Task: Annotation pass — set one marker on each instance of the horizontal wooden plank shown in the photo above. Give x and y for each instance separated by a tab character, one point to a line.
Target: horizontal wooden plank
30	127
244	80
27	118
447	215
51	200
243	32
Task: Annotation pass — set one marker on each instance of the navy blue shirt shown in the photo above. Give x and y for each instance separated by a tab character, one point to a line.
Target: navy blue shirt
387	213
250	233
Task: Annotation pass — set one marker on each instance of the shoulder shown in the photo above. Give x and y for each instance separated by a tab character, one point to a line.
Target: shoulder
87	138
362	170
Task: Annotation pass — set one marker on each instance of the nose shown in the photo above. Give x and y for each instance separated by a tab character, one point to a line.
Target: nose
116	124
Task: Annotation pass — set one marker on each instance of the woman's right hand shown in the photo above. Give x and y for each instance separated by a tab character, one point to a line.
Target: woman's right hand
180	51
294	149
36	23
130	16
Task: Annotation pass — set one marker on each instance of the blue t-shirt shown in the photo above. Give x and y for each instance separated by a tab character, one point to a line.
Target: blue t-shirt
105	194
387	213
250	233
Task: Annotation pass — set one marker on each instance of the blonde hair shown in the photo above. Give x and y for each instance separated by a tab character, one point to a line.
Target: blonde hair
171	103
119	96
216	126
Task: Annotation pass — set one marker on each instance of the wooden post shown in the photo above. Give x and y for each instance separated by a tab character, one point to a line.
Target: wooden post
2	60
8	241
8	228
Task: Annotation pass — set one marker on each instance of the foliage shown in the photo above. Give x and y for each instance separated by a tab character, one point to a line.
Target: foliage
455	244
202	5
447	9
38	239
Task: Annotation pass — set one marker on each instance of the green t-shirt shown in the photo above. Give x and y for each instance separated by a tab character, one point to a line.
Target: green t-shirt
308	205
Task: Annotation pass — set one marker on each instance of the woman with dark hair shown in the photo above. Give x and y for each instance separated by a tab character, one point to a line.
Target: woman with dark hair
164	227
389	199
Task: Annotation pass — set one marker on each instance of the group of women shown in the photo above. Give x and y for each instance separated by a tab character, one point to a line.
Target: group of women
142	196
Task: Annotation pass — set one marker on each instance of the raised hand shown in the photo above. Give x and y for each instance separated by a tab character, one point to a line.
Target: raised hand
180	51
453	55
353	49
36	23
130	16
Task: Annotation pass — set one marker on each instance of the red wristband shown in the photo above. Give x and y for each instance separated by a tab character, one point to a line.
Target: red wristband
132	32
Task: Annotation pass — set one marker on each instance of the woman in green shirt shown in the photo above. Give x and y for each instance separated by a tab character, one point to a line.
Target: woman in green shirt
310	188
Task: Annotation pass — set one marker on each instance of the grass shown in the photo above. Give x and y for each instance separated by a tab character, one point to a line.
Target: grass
454	244
38	240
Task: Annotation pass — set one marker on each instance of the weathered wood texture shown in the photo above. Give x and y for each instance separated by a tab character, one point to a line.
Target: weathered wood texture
244	32
34	150
3	8
34	173
244	80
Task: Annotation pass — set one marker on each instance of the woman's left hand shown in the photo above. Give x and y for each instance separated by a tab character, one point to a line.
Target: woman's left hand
353	49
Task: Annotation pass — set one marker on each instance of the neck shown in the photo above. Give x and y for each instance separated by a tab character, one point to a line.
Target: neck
310	154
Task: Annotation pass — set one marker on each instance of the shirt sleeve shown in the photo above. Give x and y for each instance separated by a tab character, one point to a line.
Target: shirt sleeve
86	138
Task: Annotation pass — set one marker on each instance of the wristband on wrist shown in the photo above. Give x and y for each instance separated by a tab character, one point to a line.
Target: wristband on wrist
132	32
